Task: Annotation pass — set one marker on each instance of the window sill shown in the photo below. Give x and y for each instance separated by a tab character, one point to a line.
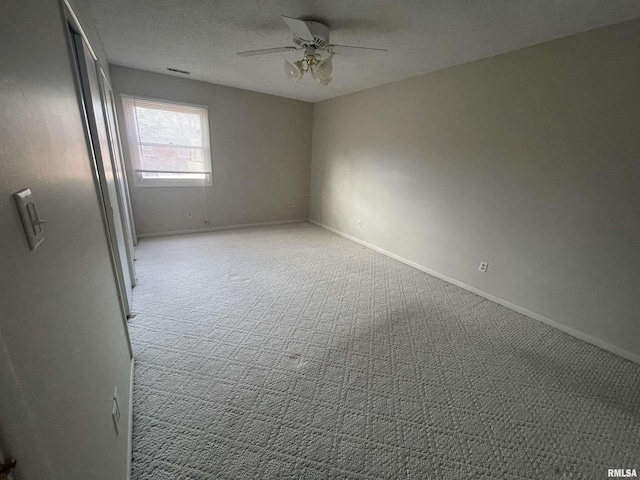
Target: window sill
173	182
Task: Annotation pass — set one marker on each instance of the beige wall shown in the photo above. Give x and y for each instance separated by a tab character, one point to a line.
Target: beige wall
529	161
260	154
62	339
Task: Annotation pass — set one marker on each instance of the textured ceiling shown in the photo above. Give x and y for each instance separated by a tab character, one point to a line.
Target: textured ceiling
202	36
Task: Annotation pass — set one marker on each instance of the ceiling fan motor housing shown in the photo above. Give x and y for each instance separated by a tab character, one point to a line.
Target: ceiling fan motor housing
320	34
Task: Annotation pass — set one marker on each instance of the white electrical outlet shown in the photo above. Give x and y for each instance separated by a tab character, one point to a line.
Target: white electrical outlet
483	267
359	224
190	214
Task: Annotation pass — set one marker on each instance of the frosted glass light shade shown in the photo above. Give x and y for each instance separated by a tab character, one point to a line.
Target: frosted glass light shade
325	69
293	70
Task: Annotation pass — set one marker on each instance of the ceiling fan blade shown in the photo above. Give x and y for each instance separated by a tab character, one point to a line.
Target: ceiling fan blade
299	28
265	51
349	50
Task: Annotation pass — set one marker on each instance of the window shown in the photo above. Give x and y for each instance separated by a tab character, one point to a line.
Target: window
168	142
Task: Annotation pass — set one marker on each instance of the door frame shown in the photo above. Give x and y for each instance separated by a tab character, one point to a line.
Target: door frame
23	439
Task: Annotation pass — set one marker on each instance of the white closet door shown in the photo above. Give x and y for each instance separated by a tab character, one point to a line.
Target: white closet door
104	166
119	172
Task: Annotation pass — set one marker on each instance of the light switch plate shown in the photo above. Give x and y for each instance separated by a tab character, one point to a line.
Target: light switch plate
30	221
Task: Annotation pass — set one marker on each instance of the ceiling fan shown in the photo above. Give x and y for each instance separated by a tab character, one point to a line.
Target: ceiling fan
313	38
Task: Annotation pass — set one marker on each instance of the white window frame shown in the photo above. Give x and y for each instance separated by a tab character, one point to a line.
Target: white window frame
128	101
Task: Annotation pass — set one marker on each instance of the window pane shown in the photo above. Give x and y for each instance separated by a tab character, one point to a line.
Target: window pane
172	159
169	127
169	142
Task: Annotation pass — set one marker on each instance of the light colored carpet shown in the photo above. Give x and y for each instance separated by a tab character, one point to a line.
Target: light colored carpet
290	352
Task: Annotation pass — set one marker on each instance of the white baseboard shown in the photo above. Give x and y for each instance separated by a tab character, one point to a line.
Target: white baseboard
130	432
571	331
215	229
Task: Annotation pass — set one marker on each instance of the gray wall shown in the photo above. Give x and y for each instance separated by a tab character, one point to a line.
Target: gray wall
260	154
62	339
529	161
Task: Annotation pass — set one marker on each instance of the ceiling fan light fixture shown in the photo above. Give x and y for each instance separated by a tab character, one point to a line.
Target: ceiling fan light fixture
293	70
325	68
301	67
313	38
